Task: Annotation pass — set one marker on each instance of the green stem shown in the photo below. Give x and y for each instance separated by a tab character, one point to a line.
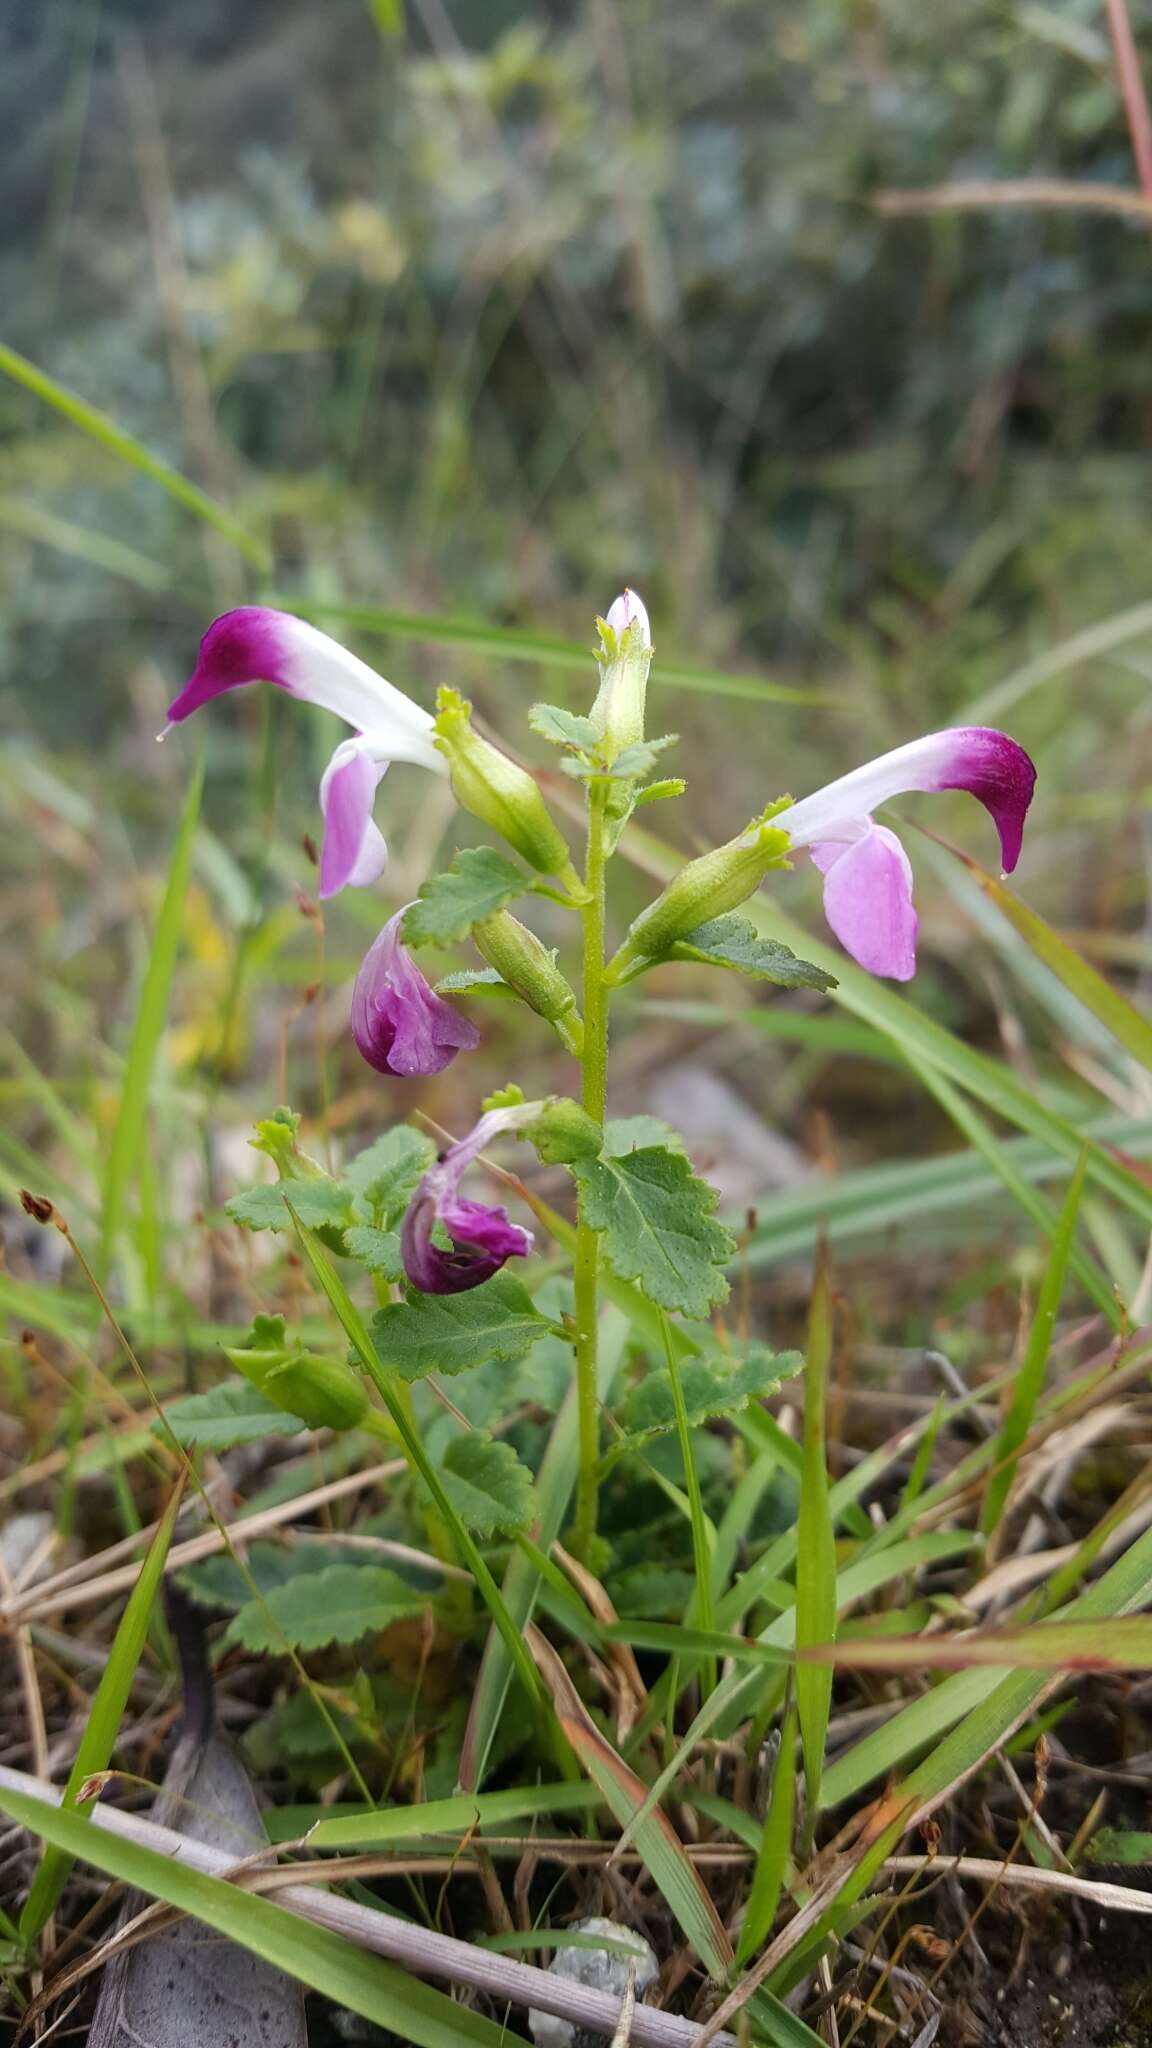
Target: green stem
587	1263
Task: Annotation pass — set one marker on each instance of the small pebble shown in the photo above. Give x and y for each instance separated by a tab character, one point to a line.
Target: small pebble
600	1970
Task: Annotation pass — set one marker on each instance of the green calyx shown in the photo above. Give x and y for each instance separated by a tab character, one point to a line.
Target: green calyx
497	790
323	1393
707	888
530	969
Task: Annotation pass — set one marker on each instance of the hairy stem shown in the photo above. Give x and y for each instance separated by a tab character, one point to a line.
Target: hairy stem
594	1067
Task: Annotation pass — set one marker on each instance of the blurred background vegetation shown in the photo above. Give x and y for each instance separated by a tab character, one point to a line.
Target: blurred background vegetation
473	314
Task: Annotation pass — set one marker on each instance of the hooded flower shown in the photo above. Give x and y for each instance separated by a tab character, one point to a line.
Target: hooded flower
482	1236
400	1024
255	644
867	874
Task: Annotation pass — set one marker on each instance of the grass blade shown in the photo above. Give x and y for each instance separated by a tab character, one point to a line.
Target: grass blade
107	1712
775	1846
1030	1379
128	1136
510	643
96	424
1106	1004
665	1858
313	1955
816	1549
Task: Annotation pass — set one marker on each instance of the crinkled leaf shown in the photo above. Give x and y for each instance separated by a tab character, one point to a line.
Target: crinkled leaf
337	1605
623	1134
632	762
474	981
232	1413
449	1332
563	728
487	1484
718	1384
316	1202
220	1582
384	1176
377	1250
734	942
659	792
651	1592
479	882
659	1227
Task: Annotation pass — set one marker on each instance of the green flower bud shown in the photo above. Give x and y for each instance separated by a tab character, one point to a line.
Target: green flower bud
564	1132
706	888
625	658
530	969
497	790
321	1392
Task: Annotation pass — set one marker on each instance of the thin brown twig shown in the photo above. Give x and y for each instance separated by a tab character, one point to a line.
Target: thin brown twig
978	195
1132	89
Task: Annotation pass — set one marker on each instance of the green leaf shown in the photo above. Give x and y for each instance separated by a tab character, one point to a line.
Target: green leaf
384	1177
563	728
316	1202
658	1225
659	792
472	981
377	1250
1029	1381
624	1134
337	1605
449	1332
816	1595
221	1582
1125	1847
479	882
717	1384
232	1413
128	1136
487	1484
102	1724
734	942
632	762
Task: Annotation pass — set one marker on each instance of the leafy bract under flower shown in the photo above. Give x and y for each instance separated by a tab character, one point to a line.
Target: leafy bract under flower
257	644
401	1026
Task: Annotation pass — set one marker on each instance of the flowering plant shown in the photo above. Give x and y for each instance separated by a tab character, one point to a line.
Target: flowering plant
645	1223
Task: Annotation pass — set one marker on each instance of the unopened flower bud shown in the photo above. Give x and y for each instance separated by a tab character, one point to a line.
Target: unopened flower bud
321	1392
497	790
708	887
530	969
563	1132
625	657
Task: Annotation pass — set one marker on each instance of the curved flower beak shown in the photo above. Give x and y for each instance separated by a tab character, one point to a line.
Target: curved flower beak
256	644
867	874
482	1236
400	1024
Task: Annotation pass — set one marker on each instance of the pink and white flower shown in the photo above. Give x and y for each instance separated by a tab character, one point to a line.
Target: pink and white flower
867	874
255	644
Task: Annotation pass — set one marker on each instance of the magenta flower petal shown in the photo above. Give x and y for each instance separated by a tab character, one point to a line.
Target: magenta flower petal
868	899
482	1237
245	646
354	850
400	1024
256	644
987	764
